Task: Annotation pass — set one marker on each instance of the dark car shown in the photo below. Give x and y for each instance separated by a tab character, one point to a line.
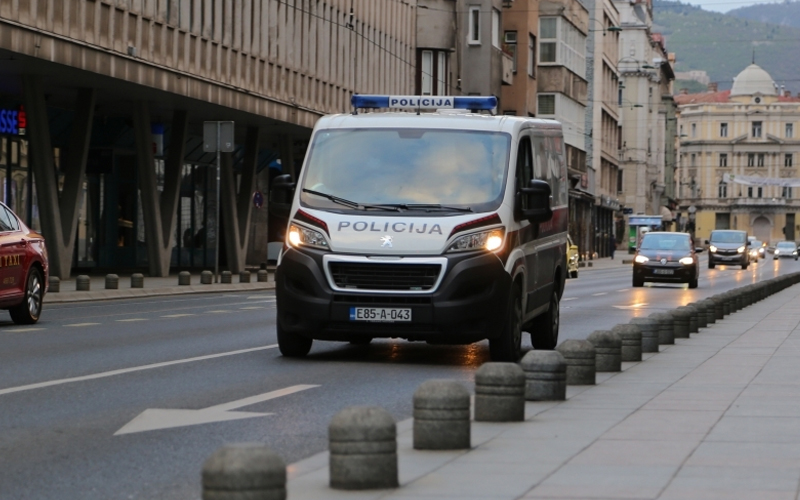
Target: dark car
786	249
667	258
23	266
726	246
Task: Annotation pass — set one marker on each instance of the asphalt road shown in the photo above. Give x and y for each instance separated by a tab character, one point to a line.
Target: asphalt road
82	392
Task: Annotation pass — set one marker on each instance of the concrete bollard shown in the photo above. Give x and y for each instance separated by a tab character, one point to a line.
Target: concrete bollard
112	282
694	315
631	337
82	283
441	416
363	449
702	310
680	323
649	328
580	358
608	350
137	280
244	277
711	314
725	298
719	310
226	277
262	276
499	393
54	284
239	471
184	278
545	376
206	277
666	328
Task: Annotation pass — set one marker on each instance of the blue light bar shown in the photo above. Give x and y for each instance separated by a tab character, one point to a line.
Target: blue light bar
413	102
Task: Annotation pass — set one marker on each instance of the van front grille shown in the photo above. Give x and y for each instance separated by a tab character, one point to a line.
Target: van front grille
385	277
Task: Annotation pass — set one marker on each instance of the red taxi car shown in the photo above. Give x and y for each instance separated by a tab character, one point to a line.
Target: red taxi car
23	269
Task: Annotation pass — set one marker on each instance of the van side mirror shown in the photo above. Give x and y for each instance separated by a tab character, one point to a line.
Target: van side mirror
281	193
707	243
536	201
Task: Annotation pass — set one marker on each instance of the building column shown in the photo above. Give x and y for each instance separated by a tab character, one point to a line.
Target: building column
160	213
237	208
58	214
286	147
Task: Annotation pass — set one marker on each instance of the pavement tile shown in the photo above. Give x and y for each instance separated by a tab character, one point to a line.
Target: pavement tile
604	481
528	451
757	429
684	493
458	480
657	425
742	454
751	478
635	453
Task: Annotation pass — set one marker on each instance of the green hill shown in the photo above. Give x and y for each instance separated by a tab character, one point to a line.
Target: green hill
784	14
723	45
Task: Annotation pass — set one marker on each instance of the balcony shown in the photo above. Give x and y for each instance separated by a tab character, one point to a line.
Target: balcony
759	202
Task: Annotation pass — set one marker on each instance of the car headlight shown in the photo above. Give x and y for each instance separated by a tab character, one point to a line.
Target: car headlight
491	240
712	248
794	253
687	261
640	259
302	236
741	249
777	251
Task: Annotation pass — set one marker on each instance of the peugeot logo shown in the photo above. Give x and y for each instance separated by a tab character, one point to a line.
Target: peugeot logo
386	241
663	261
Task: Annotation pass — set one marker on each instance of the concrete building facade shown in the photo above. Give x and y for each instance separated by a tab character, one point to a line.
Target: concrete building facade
111	165
520	29
739	154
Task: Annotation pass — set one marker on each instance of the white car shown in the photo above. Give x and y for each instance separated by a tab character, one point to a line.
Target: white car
786	249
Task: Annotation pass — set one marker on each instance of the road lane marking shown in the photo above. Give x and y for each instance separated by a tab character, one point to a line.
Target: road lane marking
636	305
83	324
251	308
218	312
130	320
177	315
257	297
623	290
133	369
155	418
23	330
568	298
599	294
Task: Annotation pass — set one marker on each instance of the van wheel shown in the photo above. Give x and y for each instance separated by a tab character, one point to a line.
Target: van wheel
508	346
292	345
744	266
546	334
28	311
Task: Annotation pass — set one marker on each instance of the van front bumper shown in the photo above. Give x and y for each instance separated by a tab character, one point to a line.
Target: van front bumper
470	303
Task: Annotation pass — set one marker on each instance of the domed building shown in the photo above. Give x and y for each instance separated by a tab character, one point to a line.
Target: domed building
738	161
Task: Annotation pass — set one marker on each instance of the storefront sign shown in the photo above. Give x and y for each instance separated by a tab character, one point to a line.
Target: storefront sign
13	121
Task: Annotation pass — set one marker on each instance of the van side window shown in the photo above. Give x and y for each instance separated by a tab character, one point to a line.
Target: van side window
524	166
539	159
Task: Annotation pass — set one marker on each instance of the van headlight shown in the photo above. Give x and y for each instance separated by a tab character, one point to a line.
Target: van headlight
712	248
299	236
740	249
640	259
687	261
491	241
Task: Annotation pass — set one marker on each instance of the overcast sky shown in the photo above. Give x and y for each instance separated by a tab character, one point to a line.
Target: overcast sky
725	5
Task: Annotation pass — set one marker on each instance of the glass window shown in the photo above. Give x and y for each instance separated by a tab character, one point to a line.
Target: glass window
496	28
524	167
5	221
787	192
510	47
788	160
474	25
547	104
756	129
406	166
723	130
789	130
693	160
723	159
426	78
548	27
547	52
12	220
760	160
759	192
441	73
728	236
666	241
723	190
694	130
751	159
750	192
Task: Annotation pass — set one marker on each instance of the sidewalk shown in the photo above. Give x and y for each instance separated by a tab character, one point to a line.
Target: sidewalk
714	416
153	287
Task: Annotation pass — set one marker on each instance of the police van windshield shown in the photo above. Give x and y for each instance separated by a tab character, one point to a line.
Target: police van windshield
452	168
728	236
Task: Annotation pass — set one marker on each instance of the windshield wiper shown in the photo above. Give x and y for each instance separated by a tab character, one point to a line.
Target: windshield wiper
351	204
429	207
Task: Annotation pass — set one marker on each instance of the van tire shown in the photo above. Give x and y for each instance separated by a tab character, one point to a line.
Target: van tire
693	283
508	345
292	345
546	334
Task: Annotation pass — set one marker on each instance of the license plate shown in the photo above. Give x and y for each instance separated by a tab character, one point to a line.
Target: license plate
380	314
664	271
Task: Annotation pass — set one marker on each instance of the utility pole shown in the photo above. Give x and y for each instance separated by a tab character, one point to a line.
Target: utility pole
217	138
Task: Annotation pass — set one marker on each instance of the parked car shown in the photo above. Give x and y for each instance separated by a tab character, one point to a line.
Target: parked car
786	249
727	246
666	257
572	258
24	269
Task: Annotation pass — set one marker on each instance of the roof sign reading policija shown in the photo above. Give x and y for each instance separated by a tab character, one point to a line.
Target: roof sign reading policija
13	121
752	180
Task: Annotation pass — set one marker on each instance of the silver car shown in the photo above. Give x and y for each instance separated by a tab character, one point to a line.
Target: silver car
786	249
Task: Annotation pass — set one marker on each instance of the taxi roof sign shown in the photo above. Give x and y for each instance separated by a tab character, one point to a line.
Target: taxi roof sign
413	102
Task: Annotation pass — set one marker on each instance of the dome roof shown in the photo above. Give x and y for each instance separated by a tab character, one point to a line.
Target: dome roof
753	80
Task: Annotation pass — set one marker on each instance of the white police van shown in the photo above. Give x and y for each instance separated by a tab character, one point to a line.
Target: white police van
446	226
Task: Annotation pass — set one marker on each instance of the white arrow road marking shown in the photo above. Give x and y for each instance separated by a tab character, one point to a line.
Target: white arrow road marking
633	306
568	298
94	376
155	419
